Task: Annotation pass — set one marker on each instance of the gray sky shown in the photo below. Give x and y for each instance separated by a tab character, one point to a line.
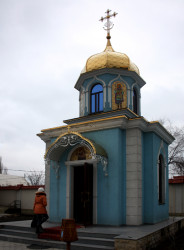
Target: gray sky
44	45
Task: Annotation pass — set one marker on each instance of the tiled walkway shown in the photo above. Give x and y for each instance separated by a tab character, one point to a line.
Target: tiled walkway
124	232
6	245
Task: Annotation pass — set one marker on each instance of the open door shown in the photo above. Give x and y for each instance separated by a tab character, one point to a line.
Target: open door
83	194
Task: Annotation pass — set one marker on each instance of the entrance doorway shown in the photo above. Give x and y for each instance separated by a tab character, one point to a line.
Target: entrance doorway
83	194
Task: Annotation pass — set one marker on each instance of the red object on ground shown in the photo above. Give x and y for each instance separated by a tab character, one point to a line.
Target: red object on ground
52	233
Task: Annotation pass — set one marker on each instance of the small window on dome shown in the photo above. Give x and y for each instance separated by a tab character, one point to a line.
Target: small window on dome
97	98
135	100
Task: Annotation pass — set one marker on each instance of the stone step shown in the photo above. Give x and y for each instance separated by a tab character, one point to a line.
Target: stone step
88	241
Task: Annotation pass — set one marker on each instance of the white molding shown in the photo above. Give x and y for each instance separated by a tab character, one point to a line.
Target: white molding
120	122
95	80
99	72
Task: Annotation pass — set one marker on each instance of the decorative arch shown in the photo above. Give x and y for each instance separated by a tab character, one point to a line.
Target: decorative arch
93	81
118	78
64	141
71	139
162	151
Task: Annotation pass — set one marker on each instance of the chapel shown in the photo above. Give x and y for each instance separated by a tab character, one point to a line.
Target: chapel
109	166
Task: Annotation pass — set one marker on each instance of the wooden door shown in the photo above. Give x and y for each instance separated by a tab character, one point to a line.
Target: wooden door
83	194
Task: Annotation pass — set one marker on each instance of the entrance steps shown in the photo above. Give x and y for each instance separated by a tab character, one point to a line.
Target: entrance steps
88	241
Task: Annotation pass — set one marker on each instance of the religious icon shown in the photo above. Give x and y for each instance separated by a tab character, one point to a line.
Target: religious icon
118	95
81	153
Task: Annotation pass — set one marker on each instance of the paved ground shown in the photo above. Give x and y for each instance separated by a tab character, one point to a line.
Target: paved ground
126	232
6	245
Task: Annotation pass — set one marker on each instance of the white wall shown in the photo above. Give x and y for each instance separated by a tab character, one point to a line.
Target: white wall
176	199
25	195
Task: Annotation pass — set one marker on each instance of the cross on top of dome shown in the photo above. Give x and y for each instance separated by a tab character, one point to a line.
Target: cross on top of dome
108	25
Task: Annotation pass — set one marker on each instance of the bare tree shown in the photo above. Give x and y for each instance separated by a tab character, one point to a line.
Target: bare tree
35	178
176	149
3	170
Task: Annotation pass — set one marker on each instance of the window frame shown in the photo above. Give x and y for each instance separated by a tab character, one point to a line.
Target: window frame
97	100
161	180
135	101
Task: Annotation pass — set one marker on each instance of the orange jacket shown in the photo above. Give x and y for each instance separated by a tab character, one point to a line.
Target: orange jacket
40	203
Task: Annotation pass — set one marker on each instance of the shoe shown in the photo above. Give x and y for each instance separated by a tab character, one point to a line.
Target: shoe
39	230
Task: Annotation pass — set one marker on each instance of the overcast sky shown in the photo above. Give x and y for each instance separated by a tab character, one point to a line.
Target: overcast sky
44	45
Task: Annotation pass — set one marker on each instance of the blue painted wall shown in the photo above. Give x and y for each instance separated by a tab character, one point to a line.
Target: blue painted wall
58	192
111	189
153	212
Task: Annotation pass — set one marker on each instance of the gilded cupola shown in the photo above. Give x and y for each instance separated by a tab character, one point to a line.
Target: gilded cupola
109	58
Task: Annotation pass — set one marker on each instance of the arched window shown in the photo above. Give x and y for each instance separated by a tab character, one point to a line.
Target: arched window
135	99
97	98
161	180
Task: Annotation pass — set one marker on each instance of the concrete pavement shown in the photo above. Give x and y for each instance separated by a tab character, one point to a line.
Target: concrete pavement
123	232
6	245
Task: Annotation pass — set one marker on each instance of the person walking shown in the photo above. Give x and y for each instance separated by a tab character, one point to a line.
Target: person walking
40	212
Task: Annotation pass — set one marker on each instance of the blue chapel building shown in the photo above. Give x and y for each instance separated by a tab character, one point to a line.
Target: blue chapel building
109	166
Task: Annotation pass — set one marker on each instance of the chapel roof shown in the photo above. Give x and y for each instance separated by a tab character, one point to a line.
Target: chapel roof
109	58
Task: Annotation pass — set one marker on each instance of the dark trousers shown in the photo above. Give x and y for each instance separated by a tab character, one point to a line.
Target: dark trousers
37	221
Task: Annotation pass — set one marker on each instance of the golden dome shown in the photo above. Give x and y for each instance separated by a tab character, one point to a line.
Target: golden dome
109	59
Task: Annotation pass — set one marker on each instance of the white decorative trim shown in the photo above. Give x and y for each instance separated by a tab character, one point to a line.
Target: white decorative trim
109	96
118	78
82	101
99	72
95	80
121	122
161	148
56	167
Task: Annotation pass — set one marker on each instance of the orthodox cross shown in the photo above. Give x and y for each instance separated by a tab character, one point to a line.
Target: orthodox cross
108	25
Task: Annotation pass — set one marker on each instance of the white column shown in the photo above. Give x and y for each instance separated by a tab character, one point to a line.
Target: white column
68	193
133	177
47	183
87	101
95	193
